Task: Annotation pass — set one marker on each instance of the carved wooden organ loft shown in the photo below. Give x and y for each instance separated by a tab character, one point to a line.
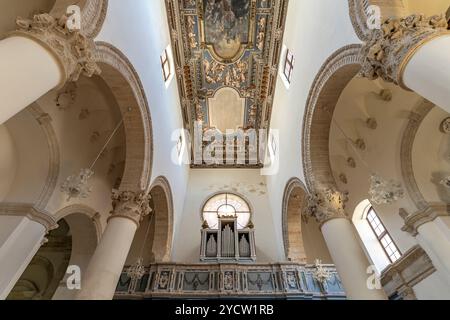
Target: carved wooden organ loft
226	56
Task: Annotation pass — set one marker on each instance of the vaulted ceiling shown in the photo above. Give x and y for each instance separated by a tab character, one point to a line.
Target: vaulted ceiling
226	55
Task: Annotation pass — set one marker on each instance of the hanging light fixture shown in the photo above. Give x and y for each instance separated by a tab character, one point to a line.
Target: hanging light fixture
77	186
381	191
137	270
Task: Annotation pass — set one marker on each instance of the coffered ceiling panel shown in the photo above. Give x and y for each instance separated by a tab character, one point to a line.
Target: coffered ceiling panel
233	44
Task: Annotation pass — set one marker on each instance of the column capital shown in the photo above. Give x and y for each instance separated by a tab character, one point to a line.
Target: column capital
389	49
73	51
430	213
326	205
131	205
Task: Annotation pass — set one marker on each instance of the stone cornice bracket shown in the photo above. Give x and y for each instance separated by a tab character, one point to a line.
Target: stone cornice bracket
417	219
388	50
131	205
74	51
29	211
326	205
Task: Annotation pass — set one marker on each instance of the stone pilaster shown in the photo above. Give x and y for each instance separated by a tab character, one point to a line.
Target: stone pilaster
73	51
326	204
131	205
389	49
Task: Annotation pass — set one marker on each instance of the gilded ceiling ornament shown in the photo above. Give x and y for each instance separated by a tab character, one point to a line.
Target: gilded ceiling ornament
191	32
388	50
74	51
326	205
132	205
384	191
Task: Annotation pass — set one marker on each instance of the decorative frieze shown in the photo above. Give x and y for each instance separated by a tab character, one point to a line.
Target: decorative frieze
73	50
294	281
131	205
388	50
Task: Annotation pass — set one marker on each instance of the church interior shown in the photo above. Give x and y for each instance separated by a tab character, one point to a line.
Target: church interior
217	149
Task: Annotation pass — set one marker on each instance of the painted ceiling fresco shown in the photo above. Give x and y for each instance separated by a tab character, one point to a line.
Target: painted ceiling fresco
221	44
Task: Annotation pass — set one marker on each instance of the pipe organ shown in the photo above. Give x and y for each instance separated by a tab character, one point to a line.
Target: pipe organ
228	243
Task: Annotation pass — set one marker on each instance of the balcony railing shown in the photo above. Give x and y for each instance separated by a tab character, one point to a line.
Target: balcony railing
215	281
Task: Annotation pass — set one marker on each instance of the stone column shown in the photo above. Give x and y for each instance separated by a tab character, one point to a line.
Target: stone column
22	232
341	238
41	55
423	225
103	273
413	53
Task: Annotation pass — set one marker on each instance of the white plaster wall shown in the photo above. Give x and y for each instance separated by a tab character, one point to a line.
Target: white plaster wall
314	31
202	185
141	32
432	288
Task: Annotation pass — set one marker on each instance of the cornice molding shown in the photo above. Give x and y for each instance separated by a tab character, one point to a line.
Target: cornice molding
400	277
29	211
414	221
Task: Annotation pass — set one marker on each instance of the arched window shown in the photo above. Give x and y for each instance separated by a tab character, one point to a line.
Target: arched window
379	245
390	248
226	205
227	232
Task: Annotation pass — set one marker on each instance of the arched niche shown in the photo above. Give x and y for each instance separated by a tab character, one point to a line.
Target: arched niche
153	239
72	244
303	241
163	215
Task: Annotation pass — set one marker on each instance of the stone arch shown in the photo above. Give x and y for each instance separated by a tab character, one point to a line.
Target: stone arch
85	231
333	77
162	199
122	78
294	201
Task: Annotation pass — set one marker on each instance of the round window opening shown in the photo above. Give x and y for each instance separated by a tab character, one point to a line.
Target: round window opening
226	205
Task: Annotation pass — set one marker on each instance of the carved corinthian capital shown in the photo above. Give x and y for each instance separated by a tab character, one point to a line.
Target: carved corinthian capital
326	205
131	205
389	49
74	51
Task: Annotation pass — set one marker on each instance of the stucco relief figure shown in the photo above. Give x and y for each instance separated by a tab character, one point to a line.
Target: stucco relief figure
228	282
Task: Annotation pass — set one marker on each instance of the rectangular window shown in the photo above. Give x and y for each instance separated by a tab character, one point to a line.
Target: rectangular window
288	65
383	236
165	64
